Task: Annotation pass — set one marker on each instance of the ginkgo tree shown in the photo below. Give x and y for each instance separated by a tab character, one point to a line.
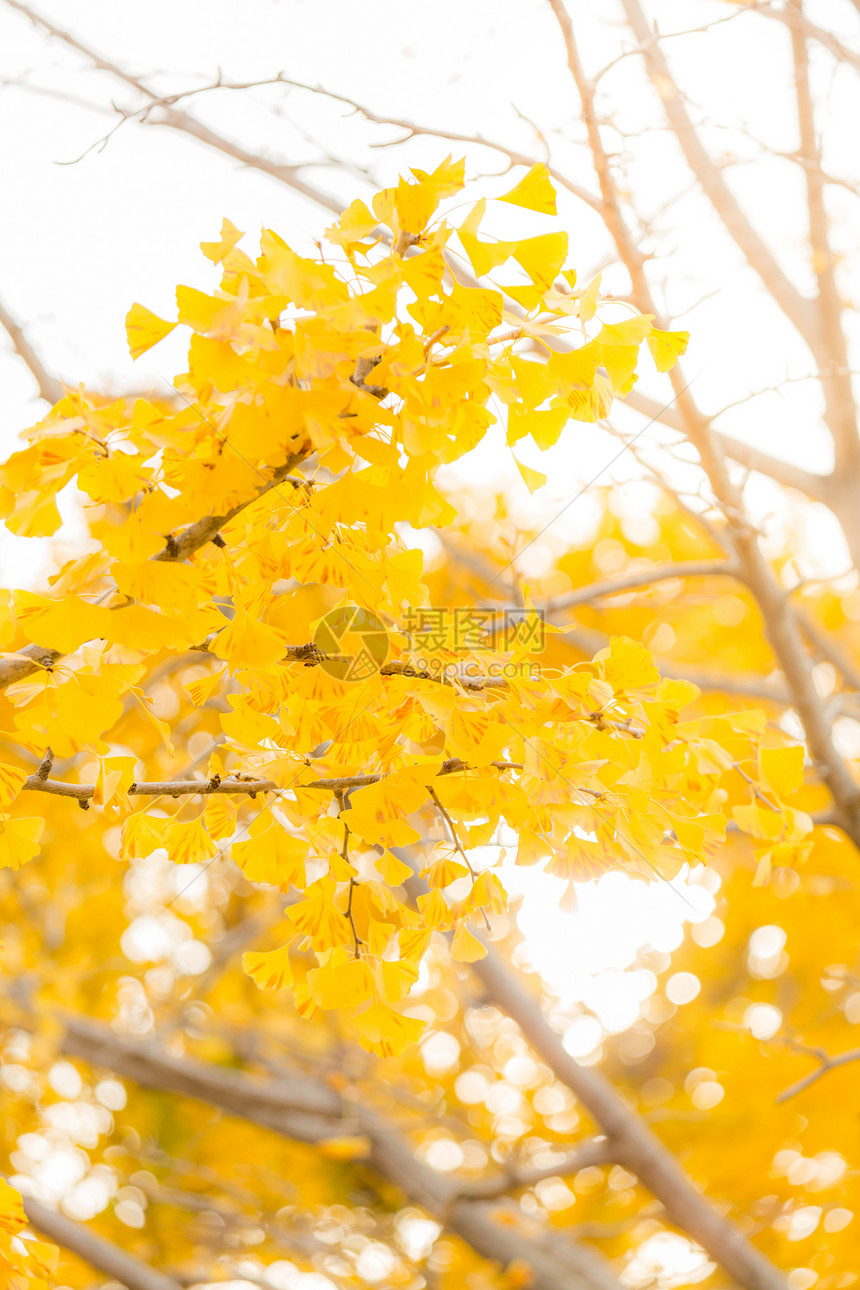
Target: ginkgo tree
209	541
346	735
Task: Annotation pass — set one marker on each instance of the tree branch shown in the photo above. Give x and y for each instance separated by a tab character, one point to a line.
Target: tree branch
826	1063
835	380
310	1111
50	389
639	578
633	1144
235	785
757	253
100	1254
777	614
34	658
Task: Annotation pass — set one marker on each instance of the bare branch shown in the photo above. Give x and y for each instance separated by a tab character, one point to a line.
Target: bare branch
50	389
826	1064
639	578
515	158
312	1111
757	253
598	1151
838	393
778	616
799	22
633	1143
100	1254
176	119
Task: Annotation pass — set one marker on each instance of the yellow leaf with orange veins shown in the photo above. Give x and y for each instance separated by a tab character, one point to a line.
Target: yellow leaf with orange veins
19	840
269	969
216	251
346	1147
466	948
473	737
169	585
65	623
444	871
667	347
781	769
188	842
414	942
593	404
487	893
341	985
434	909
542	257
396	979
141	835
581	860
12	1215
246	643
627	665
271	854
320	918
203	688
386	1032
220	816
570	372
112	479
144	329
12	780
534	191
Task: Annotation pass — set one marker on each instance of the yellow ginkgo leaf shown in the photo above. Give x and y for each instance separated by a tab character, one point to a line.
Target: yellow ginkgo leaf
216	251
533	479
465	947
667	347
542	257
534	191
781	769
12	780
19	840
269	969
144	329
